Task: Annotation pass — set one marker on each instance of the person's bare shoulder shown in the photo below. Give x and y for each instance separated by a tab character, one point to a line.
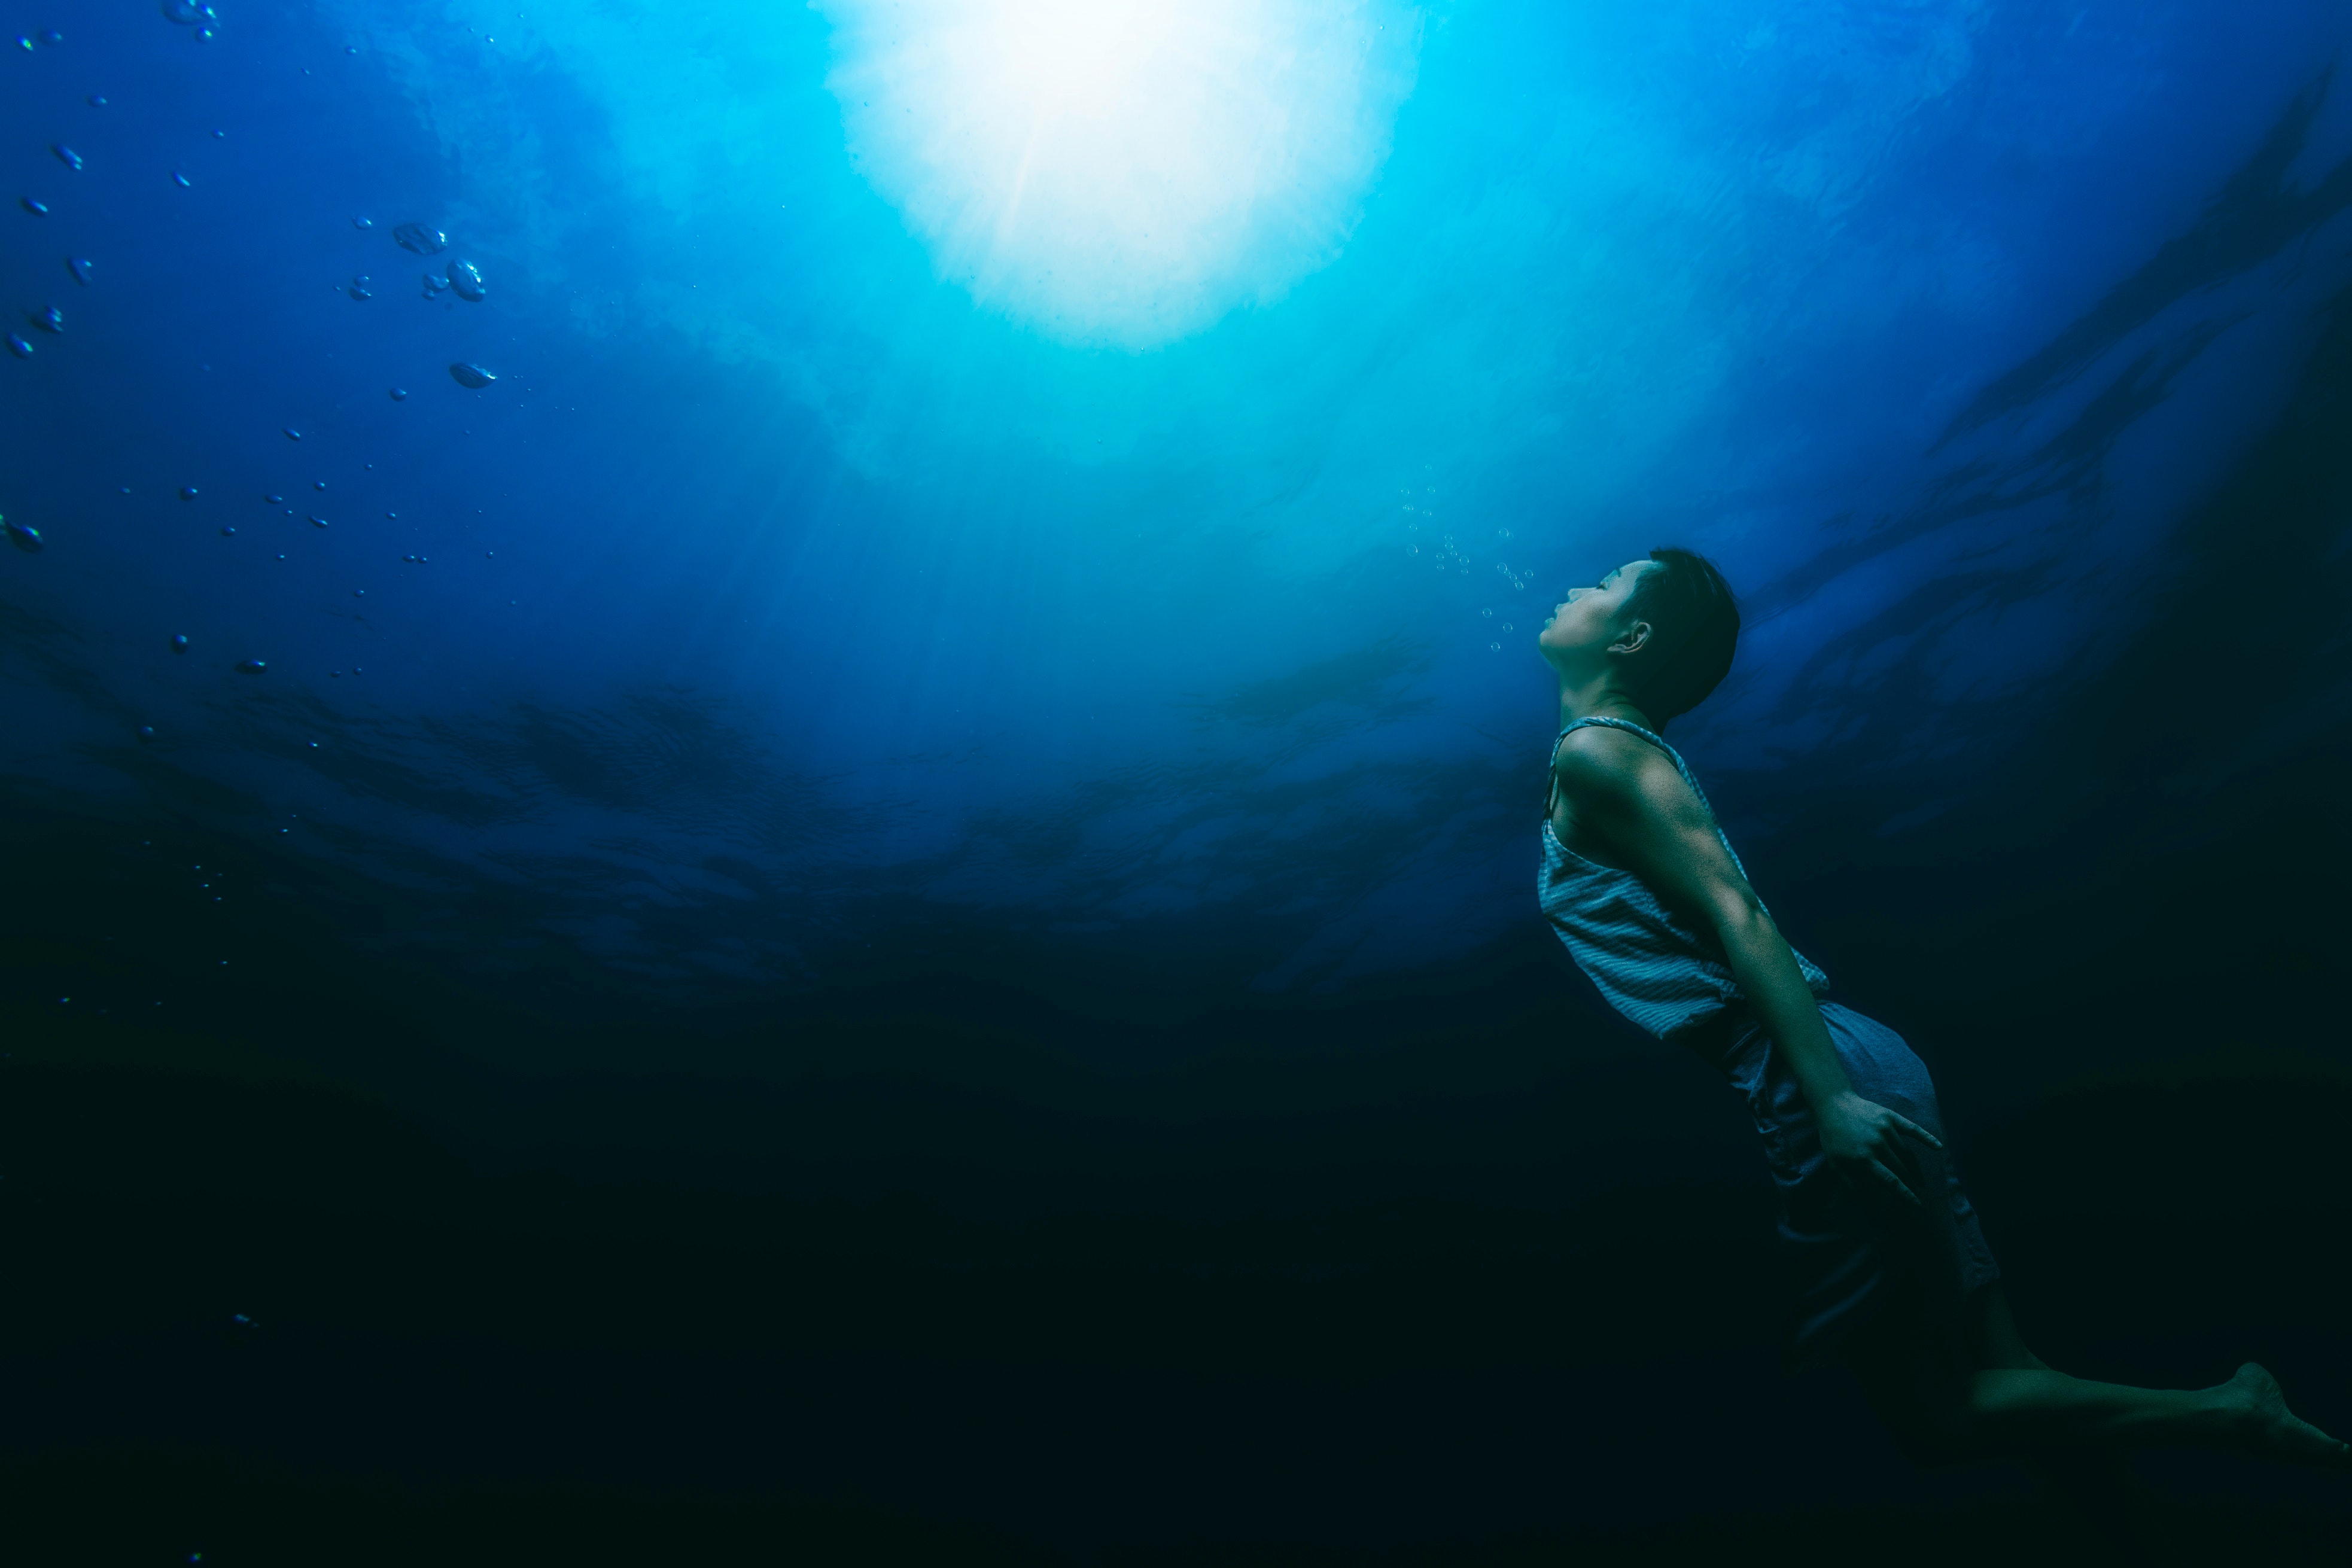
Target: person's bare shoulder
1604	765
1607	773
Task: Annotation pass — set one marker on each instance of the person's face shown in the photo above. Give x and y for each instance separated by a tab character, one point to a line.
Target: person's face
1589	621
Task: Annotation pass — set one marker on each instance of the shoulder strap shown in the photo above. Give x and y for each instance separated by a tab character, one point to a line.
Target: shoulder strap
1551	791
1672	755
1629	728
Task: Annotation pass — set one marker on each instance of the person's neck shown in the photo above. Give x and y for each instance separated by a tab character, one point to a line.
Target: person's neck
1599	699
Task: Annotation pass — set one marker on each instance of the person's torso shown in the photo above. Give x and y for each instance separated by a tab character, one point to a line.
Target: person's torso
1647	961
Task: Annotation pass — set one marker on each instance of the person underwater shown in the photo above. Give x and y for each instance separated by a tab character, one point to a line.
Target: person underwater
1890	1267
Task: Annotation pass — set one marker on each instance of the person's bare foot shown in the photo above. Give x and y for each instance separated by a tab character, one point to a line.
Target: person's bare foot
2260	1421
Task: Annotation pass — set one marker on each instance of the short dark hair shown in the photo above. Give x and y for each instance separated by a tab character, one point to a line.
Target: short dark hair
1693	628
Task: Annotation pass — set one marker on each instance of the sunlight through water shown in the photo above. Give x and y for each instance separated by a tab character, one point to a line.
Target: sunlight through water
1122	172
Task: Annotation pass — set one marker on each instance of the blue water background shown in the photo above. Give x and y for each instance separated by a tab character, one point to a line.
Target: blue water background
784	616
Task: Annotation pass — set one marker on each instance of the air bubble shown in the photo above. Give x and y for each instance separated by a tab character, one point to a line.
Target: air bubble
420	239
67	156
18	346
80	269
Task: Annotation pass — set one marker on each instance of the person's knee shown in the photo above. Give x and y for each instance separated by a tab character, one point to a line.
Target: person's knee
1994	1393
1993	1339
1913	1369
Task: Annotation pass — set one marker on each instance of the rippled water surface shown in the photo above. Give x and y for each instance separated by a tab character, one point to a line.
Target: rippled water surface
786	561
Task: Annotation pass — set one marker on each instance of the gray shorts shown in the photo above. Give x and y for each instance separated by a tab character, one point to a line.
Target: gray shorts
1846	1249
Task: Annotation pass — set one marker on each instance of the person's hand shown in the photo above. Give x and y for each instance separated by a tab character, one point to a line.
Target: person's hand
1868	1145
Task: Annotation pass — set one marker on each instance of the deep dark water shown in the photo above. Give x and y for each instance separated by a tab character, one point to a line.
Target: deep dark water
1384	1283
934	1290
932	1231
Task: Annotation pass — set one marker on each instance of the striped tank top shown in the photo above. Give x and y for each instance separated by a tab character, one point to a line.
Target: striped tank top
1648	962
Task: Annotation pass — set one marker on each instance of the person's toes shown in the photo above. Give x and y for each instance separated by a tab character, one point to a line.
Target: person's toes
2279	1431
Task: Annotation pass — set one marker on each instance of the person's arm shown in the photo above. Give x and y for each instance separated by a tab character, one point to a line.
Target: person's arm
1624	793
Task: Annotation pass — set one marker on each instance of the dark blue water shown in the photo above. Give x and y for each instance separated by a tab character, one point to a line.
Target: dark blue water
983	553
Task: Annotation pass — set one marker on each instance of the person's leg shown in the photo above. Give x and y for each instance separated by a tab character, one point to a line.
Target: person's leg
2096	1483
1941	1357
2026	1407
2016	1400
2029	1408
1993	1339
1908	1372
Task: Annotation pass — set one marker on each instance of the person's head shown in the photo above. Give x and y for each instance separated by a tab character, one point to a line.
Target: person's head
1658	631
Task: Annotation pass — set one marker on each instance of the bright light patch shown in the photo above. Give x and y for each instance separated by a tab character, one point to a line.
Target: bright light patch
1122	172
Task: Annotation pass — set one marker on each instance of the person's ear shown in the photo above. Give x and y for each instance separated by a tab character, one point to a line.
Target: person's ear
1635	638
